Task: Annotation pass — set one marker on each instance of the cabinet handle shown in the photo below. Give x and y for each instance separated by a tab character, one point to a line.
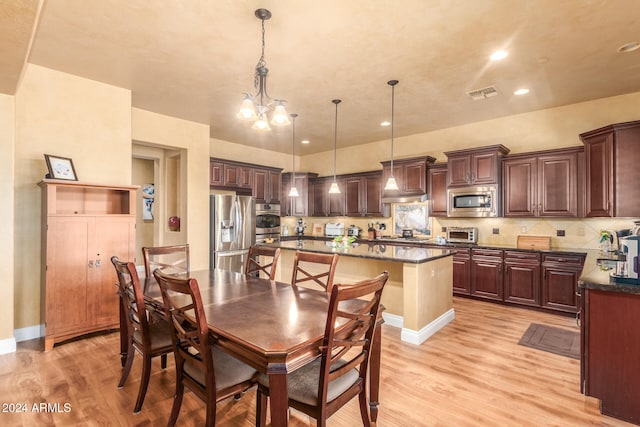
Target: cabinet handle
98	263
90	263
539	208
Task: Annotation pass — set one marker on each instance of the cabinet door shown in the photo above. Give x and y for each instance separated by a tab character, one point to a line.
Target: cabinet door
486	277
66	274
414	177
273	187
231	175
519	186
372	195
319	189
459	170
397	174
260	185
484	168
216	176
112	236
559	286
599	176
336	201
300	204
522	279
353	196
461	277
286	204
438	192
557	185
245	177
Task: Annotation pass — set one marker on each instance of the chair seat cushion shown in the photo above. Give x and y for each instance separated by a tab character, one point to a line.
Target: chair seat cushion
159	333
302	384
228	370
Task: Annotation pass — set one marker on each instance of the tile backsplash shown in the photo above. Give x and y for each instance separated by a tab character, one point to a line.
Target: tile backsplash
578	233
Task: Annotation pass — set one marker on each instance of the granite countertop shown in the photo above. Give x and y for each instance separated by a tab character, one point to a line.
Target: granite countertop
593	277
372	250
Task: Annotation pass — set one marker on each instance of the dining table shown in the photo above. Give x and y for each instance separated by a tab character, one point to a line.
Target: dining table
272	326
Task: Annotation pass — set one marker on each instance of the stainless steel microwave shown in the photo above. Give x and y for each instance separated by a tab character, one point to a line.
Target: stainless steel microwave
475	202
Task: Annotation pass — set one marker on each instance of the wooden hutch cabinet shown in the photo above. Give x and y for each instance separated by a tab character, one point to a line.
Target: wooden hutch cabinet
83	226
477	166
544	184
612	155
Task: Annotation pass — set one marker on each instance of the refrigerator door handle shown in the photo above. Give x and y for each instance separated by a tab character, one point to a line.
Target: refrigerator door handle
232	253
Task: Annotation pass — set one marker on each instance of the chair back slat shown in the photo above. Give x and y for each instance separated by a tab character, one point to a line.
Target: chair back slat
253	261
170	259
303	262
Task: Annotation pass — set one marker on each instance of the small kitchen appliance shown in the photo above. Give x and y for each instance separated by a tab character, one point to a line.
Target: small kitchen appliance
407	233
300	228
462	234
354	231
630	246
333	229
474	202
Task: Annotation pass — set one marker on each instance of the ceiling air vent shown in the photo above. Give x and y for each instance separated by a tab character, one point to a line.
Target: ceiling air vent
485	92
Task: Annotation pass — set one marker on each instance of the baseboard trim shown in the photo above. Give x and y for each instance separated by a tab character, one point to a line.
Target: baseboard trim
418	337
393	320
29	333
8	346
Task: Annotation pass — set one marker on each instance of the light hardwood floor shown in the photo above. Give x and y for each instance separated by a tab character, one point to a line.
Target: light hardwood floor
471	373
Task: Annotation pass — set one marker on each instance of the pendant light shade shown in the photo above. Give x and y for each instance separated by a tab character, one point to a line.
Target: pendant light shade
293	192
334	189
391	184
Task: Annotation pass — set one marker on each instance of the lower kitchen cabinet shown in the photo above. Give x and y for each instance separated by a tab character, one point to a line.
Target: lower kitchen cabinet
610	351
560	282
461	272
486	273
522	277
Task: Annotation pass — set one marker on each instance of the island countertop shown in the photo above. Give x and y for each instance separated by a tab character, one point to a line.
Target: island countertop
377	250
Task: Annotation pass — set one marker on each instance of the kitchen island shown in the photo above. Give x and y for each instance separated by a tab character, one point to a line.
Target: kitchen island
610	341
418	296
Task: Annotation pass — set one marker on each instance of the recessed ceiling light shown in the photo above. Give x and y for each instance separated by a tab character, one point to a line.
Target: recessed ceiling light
385	123
522	91
498	55
305	141
629	47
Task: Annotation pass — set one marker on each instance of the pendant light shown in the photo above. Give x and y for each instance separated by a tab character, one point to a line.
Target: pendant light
334	189
391	182
293	192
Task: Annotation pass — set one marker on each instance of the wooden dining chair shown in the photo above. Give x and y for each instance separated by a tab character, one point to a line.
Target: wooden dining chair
210	373
253	265
170	259
323	386
150	339
305	261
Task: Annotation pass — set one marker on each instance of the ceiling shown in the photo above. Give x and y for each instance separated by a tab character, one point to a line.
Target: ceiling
194	59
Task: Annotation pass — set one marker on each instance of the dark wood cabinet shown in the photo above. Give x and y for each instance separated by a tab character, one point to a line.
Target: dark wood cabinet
247	179
560	281
410	174
486	273
610	350
372	200
336	202
437	189
461	272
543	184
296	206
522	277
354	196
318	196
361	195
612	155
477	166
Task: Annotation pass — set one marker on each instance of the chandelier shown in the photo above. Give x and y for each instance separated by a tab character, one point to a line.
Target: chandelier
254	108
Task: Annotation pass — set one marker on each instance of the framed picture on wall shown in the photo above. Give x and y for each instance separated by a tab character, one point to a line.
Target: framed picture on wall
60	168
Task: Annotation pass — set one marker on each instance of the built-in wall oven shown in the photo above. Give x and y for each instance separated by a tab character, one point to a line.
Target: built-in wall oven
267	223
475	202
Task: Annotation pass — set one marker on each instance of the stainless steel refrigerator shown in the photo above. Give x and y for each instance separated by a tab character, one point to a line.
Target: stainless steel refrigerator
233	230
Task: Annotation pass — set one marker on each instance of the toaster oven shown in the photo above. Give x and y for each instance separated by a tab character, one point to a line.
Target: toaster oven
462	234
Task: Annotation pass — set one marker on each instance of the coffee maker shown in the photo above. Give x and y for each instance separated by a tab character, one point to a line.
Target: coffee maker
630	246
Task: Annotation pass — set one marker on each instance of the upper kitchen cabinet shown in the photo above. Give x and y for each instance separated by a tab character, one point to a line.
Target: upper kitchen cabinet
360	195
612	155
437	184
296	206
266	185
543	184
410	174
477	166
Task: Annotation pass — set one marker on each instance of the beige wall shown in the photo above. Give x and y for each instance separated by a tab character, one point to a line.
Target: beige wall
192	140
539	130
242	153
61	114
7	118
